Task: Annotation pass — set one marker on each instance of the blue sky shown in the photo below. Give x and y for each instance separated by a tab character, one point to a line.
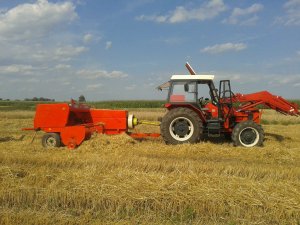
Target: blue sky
110	50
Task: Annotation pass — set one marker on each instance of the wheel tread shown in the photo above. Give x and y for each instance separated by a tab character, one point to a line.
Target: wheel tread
240	126
183	112
54	135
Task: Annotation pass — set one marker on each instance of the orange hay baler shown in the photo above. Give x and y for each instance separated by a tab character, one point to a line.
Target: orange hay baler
71	124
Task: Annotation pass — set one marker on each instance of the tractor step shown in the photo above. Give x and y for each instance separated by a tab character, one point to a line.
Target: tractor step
214	128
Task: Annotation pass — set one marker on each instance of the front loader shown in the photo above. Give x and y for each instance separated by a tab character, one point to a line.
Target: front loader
235	116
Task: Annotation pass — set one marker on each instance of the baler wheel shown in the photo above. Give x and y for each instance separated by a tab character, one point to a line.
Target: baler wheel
248	134
181	125
51	140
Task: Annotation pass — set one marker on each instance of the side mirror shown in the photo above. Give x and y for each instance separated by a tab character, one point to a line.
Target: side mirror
186	87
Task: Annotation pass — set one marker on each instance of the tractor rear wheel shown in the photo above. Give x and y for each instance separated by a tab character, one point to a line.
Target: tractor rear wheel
247	134
51	140
181	125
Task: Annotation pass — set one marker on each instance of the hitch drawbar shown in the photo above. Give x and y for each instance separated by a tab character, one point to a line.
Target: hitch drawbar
71	124
133	121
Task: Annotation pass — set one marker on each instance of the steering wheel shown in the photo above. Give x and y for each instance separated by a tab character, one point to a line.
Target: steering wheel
201	101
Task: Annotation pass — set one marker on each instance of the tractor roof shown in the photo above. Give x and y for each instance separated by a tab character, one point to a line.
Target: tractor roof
193	77
196	77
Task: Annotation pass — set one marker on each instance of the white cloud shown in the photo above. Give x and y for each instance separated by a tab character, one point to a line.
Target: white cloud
292	3
34	20
290	60
39	53
135	5
226	47
94	74
62	66
250	82
38	44
108	45
29	33
93	87
207	11
154	18
87	38
91	38
33	80
245	16
292	14
250	22
131	87
16	69
173	40
287	79
66	53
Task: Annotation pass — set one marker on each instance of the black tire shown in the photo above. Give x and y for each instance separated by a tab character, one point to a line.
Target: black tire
247	134
51	140
181	125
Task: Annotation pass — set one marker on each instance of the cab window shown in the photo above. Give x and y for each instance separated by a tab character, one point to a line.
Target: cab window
183	92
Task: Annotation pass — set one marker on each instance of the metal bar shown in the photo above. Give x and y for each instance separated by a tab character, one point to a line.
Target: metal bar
144	135
190	69
35	133
251	105
28	128
146	122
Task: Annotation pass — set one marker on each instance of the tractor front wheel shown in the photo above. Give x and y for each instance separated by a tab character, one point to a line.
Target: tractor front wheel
247	134
181	125
51	140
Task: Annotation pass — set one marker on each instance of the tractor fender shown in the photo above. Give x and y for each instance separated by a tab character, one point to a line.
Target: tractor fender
170	106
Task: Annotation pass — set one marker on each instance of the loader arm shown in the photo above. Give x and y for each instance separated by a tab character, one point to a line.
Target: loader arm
249	101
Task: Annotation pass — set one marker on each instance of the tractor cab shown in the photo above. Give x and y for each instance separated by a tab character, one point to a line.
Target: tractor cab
196	90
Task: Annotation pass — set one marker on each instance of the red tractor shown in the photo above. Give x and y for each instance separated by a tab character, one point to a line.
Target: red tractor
235	116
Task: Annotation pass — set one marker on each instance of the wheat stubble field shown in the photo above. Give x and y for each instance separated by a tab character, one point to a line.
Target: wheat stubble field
118	180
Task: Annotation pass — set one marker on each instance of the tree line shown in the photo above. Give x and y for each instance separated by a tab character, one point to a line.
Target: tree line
42	99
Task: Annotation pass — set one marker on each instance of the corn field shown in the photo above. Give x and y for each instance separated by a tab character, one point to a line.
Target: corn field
119	180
